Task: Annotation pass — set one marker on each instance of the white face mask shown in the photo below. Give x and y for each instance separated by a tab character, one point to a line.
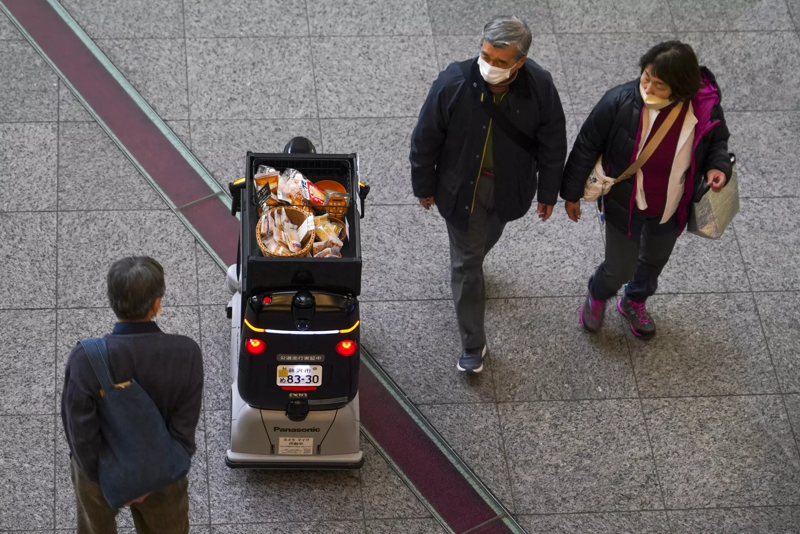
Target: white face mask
653	101
493	75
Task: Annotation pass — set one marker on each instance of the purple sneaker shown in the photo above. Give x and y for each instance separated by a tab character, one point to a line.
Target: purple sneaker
592	313
636	313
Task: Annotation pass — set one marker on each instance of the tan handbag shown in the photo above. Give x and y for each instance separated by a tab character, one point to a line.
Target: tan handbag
599	184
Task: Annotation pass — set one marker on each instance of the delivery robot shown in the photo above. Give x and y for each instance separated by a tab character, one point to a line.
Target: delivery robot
295	334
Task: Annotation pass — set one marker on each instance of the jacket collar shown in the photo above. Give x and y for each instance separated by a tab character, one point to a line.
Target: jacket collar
127	328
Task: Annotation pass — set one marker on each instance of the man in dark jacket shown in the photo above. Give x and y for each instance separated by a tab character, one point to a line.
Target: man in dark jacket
168	367
489	126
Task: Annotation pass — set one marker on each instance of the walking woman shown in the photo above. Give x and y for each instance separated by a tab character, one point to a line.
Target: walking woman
646	213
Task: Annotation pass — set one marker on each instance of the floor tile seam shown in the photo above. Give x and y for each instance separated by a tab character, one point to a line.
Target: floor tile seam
55	320
200	334
654	510
643	398
314	78
294	522
22	415
186	72
563	64
506	461
646	427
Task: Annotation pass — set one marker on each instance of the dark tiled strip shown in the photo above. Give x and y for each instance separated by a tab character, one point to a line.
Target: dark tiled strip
450	489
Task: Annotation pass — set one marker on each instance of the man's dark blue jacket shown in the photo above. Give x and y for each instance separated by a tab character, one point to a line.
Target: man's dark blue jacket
448	143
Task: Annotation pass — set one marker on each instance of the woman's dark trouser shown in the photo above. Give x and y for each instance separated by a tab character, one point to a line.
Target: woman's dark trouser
636	262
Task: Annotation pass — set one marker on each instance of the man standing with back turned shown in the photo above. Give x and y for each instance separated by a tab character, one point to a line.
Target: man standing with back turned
488	127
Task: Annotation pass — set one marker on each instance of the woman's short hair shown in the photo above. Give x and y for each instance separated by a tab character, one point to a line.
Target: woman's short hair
676	64
134	284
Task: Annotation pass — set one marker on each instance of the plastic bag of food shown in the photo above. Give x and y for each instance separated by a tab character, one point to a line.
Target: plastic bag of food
290	187
319	246
265	223
319	220
330	252
293	243
275	248
267	176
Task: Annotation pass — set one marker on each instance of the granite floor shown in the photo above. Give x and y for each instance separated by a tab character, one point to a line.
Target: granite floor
693	432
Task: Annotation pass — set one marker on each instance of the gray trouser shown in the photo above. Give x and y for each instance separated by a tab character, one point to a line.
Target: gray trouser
637	262
467	251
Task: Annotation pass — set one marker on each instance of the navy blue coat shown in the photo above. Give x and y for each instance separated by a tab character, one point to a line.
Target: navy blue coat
448	143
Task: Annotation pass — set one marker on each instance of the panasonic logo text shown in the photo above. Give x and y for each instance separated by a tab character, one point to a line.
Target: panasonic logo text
279	429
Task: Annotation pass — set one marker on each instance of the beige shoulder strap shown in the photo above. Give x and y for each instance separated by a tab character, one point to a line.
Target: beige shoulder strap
650	148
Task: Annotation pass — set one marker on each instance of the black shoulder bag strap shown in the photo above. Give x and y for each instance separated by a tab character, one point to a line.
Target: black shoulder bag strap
497	115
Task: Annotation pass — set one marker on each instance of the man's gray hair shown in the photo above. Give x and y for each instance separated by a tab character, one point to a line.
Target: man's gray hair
505	31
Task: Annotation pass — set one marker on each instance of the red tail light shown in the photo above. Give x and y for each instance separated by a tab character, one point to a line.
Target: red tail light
255	346
267	300
347	347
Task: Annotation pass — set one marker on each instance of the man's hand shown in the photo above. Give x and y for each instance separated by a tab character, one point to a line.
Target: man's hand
426	202
138	500
544	211
573	210
716	180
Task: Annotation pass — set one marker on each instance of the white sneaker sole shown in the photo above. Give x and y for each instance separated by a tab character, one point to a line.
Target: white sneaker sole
479	369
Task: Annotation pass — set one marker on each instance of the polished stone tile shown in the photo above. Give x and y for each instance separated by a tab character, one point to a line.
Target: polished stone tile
27	178
716	15
793	409
293	526
596	63
251	79
750	65
544	51
139	19
28	86
26	472
473	431
157	70
764	143
89	242
552	258
772	520
464	17
780	317
385	494
364	17
252	496
216	345
414	263
94	174
724	451
383	146
705	345
540	352
769	236
406	526
605	16
210	279
245	18
418	345
27	367
354	78
28	249
69	107
579	457
222	146
602	523
700	265
7	29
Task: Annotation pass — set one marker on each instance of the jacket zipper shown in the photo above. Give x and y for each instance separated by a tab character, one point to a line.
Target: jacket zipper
483	156
485	142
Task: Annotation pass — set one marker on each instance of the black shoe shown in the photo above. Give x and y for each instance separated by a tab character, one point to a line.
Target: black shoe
471	361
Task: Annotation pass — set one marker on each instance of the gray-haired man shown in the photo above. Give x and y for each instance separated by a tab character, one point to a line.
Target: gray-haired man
489	126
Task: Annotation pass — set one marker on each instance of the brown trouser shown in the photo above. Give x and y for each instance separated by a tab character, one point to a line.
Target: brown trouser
165	511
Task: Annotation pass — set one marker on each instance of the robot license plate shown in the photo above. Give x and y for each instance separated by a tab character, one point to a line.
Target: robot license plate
300	375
